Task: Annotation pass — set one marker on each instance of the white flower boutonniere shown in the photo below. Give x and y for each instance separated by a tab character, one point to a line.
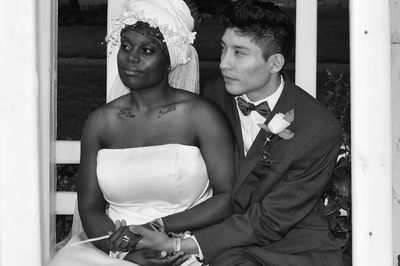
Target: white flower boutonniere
278	126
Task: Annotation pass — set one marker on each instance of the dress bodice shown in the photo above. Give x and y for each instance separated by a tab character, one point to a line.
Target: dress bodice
145	183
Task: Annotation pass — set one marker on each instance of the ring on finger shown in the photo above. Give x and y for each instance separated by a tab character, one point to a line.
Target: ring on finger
126	239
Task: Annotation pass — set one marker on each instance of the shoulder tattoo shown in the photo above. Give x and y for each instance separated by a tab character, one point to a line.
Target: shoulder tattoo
165	110
126	113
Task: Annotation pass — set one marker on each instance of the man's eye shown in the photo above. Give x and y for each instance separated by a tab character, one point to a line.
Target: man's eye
223	49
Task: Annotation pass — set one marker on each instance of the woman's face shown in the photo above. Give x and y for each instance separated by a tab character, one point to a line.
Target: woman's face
141	61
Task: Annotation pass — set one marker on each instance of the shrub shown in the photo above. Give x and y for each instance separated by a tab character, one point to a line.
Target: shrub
338	192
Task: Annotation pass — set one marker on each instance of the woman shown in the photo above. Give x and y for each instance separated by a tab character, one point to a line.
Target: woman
157	152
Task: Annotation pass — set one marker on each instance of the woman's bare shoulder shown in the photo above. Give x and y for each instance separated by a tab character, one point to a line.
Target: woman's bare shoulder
206	120
106	114
199	108
193	100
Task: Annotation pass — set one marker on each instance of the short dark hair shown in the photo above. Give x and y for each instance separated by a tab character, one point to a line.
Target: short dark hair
269	26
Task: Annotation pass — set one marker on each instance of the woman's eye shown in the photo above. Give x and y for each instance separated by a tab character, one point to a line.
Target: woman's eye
147	50
125	47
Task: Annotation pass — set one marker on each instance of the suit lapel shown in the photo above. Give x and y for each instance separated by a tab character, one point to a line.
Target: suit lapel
237	130
285	103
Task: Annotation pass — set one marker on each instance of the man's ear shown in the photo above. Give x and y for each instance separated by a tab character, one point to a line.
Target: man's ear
277	61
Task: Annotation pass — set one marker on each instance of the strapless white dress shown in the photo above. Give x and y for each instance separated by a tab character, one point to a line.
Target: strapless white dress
140	185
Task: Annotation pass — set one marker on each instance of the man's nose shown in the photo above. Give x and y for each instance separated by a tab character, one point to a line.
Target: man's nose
225	61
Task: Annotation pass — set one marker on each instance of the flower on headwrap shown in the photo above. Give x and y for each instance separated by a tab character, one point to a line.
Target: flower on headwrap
130	18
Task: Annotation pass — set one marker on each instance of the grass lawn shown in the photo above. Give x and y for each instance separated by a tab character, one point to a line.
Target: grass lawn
80	89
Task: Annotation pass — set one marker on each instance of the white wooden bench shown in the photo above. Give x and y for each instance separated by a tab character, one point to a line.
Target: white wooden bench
67	152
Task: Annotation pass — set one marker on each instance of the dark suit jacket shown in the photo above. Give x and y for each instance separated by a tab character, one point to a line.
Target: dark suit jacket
277	194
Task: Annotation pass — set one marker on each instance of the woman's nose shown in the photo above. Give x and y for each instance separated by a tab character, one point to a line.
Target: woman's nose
133	57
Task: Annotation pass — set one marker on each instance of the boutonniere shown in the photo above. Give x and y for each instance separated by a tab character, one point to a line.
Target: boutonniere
278	126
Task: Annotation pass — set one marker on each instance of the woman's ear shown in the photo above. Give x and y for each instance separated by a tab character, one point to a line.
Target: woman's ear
277	62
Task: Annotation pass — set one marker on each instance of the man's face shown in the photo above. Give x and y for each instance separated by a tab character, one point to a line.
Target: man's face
243	67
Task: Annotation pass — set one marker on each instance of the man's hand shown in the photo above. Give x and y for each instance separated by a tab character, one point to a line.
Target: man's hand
147	257
152	239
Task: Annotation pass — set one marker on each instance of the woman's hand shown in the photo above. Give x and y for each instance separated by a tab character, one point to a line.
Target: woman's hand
152	239
122	239
147	257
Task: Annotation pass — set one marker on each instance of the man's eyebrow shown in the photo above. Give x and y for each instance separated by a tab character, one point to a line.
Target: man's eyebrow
236	46
241	47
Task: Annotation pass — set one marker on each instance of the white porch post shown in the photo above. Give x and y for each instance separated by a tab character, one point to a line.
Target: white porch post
371	132
114	9
395	43
20	241
306	45
46	62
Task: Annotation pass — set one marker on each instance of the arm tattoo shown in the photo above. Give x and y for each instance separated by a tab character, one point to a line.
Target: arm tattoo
126	113
169	108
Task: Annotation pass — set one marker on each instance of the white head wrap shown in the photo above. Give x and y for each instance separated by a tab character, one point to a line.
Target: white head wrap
175	22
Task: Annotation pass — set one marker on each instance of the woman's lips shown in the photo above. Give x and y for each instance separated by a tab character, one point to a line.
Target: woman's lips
132	72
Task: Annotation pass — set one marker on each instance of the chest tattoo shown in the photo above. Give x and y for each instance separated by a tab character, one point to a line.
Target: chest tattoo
169	108
126	113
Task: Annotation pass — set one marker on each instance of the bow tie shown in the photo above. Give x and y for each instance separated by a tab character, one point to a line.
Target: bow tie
246	107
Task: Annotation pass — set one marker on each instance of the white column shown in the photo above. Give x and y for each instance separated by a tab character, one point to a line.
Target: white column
20	241
371	132
114	10
306	45
46	62
395	43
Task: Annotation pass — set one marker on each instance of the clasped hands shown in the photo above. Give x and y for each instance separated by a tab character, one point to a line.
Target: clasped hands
145	246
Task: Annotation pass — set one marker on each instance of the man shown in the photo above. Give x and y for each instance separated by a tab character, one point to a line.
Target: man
281	172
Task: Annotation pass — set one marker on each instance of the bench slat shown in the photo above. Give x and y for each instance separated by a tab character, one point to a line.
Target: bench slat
65	203
67	151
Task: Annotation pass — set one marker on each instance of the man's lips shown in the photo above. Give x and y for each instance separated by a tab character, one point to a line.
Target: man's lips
228	78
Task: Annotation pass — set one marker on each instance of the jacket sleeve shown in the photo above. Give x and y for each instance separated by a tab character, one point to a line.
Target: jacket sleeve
291	198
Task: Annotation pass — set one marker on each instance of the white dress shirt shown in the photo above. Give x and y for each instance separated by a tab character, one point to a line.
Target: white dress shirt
249	123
